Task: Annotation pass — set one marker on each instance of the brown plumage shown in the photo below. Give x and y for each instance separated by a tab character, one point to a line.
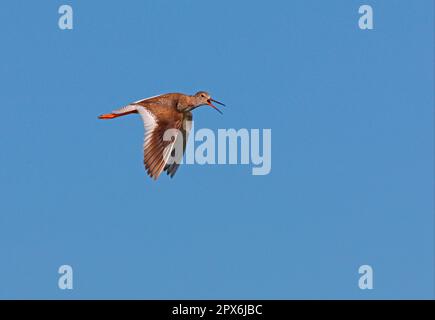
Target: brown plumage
160	115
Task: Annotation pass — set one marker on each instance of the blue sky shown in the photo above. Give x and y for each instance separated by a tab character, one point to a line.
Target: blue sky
351	114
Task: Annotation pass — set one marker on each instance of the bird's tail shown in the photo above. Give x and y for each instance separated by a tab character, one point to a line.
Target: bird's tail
119	113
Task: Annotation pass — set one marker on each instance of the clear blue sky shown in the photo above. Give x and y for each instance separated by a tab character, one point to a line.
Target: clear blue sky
352	178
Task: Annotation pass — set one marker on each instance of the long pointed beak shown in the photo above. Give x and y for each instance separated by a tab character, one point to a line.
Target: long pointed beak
217	102
214	107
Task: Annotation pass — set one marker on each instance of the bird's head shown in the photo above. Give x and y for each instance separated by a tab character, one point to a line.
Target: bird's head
202	98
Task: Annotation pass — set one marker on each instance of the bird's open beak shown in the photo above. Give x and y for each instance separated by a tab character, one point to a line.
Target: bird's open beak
213	106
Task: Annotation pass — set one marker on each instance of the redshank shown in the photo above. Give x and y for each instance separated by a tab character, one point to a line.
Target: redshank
159	114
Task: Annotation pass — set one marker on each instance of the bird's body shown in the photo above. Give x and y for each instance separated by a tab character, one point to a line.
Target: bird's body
161	114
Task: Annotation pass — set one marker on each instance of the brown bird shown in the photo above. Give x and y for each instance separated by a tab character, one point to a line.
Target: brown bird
159	114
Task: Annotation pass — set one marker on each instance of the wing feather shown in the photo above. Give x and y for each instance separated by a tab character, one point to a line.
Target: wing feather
157	151
172	168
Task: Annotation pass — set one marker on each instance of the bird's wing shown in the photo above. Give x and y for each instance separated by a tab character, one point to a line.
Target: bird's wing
152	99
172	168
145	99
160	137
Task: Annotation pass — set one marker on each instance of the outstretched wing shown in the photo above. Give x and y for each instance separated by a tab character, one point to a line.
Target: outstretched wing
149	99
172	168
161	135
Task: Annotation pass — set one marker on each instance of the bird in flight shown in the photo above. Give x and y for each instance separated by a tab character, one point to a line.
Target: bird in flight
160	114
